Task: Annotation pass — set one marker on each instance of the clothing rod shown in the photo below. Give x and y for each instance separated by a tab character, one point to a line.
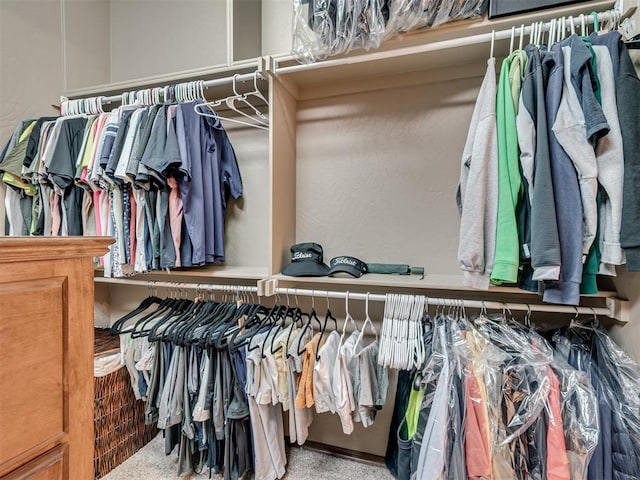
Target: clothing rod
441	45
185	286
438	301
207	83
433	301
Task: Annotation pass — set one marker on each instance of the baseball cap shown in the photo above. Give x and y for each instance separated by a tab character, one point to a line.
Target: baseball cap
306	261
350	265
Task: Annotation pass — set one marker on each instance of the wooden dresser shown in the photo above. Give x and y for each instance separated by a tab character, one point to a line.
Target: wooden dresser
46	357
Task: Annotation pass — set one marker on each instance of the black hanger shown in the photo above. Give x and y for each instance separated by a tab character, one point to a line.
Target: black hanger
176	332
272	318
206	313
222	339
165	306
295	315
327	317
278	323
251	328
116	328
220	323
633	43
177	308
310	317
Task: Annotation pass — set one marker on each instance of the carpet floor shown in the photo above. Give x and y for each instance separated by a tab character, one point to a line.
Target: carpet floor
150	463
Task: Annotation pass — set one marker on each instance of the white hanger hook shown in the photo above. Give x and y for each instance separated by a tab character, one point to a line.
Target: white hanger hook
346	304
521	36
235	75
513	34
573	25
493	41
366	305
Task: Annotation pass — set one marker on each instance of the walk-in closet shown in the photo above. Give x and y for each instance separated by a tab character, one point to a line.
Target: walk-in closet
319	239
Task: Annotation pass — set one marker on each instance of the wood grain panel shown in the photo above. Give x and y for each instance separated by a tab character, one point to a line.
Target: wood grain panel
46	357
31	372
48	466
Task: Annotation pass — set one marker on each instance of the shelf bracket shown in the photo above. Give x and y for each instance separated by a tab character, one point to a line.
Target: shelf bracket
619	309
267	287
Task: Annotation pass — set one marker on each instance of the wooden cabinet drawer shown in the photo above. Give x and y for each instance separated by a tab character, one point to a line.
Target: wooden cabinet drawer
48	466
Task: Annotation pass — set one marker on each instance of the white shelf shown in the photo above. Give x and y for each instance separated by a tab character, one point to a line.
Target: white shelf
205	73
222	272
412	282
456	44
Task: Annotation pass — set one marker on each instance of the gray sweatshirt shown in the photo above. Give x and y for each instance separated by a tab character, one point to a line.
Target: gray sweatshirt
628	93
610	168
565	190
479	203
534	156
579	122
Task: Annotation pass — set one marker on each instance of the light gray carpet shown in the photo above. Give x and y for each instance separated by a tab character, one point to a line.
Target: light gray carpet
150	463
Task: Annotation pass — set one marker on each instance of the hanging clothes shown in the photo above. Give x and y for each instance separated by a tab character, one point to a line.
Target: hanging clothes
571	179
218	379
497	401
156	178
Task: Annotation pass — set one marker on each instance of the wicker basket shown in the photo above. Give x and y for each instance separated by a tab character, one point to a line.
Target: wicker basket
120	430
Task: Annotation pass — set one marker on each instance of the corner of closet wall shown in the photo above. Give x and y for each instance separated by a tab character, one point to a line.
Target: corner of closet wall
277	19
32	73
628	283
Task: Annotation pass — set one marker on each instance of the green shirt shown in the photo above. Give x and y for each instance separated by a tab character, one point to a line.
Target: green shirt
507	258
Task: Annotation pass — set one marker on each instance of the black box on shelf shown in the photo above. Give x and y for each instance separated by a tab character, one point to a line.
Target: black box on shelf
501	8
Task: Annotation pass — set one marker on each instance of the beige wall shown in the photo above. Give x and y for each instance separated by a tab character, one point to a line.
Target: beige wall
628	336
379	169
276	26
154	37
628	285
31	60
87	43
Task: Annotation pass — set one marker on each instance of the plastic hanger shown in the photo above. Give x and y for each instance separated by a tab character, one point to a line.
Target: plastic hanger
311	316
161	308
213	114
151	300
182	309
289	313
532	33
278	325
572	24
540	32
493	41
297	316
347	319
257	94
552	33
230	101
596	25
513	34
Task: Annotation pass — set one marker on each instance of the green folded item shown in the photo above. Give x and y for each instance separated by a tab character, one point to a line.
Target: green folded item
394	269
